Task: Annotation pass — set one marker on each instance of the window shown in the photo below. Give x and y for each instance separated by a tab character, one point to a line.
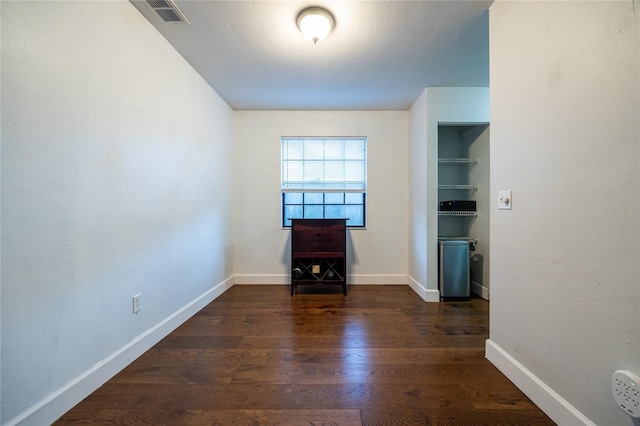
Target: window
324	178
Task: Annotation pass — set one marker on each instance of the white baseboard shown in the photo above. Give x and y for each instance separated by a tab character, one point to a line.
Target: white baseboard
480	290
266	279
356	279
549	401
426	294
377	279
59	402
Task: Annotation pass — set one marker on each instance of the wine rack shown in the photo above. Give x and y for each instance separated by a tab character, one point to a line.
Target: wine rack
327	270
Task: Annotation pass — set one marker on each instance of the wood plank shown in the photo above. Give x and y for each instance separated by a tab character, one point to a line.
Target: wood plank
378	355
393	396
215	417
333	373
382	341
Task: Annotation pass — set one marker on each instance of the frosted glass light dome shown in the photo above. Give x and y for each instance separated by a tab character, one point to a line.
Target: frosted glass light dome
315	23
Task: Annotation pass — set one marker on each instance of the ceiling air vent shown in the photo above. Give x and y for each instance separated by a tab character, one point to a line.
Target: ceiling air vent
167	11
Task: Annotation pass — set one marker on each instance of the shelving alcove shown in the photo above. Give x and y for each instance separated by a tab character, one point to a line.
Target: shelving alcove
467	187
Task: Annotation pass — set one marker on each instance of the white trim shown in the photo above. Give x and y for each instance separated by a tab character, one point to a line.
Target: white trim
354	279
265	279
549	401
377	279
62	400
426	294
332	190
480	290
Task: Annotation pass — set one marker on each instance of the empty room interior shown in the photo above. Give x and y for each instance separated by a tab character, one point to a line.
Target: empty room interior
158	157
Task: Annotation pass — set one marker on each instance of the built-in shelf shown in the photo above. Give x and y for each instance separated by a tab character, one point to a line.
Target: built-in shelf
470	239
457	213
456	161
459	235
475	187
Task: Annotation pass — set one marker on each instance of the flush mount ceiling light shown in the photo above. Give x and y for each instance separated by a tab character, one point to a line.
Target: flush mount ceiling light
315	23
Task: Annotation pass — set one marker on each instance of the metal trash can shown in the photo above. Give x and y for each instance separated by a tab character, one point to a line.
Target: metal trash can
454	277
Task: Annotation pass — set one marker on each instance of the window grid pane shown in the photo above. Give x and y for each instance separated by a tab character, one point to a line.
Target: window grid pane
353	198
334	198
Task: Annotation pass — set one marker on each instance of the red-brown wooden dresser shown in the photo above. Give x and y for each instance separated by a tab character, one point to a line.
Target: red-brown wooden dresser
318	252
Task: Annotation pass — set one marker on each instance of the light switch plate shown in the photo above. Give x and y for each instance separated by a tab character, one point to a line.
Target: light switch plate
504	200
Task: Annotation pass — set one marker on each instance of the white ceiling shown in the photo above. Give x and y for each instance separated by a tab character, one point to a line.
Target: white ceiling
380	56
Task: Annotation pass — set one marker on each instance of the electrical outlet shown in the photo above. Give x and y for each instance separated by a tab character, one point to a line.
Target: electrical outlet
137	303
626	392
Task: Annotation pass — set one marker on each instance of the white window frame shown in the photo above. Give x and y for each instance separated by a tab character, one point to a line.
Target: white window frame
338	167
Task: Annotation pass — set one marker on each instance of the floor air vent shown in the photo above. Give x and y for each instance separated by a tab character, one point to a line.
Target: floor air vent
167	11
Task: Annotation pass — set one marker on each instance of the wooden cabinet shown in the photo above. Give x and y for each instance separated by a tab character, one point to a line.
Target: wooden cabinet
318	252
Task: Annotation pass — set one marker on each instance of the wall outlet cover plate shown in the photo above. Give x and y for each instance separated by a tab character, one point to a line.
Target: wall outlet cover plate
626	392
137	303
504	200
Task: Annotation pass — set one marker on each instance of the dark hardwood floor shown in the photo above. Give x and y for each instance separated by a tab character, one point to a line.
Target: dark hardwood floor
257	356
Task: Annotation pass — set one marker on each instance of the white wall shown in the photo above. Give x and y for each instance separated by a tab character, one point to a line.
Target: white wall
418	198
564	262
376	255
116	179
436	105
